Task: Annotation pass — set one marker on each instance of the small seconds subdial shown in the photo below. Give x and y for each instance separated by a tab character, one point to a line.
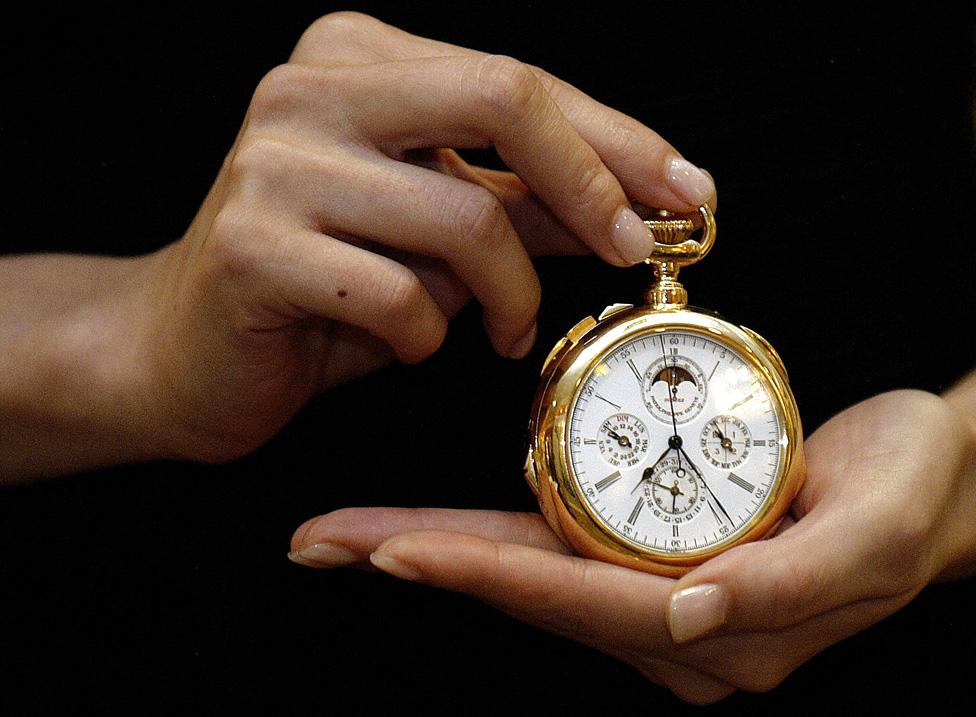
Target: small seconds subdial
673	488
725	442
622	440
674	383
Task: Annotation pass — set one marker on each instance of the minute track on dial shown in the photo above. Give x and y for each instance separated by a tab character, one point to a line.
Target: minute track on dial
729	505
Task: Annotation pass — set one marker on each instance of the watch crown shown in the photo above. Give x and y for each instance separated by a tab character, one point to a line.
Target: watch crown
673	249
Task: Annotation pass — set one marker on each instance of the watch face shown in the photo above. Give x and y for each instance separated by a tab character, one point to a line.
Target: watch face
675	442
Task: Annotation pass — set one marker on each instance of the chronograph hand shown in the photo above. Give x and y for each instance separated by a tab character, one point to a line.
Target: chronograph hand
702	479
674	421
664	354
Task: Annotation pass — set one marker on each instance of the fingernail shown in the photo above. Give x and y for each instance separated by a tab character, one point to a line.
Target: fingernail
389	564
631	237
521	348
323	555
695	611
689	182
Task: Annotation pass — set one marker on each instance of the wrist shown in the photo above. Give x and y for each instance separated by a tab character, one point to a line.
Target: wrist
960	535
74	385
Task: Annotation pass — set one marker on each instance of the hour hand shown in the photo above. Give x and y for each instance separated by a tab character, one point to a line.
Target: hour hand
648	472
645	476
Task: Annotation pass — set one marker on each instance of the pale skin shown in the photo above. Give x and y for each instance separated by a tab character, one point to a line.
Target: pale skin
341	234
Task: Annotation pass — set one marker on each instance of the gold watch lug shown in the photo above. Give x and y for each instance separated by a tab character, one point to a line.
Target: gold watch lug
571	338
772	352
556	350
577	332
613	309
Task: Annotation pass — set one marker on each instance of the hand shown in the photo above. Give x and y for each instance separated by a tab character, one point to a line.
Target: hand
887	508
341	233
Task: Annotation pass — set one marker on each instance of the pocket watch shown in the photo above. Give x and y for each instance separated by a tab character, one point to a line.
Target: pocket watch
661	435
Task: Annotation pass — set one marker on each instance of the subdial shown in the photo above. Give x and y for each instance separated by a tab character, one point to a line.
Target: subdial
673	487
725	442
622	440
674	384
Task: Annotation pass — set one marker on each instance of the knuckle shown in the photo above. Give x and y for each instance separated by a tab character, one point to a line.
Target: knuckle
340	23
549	606
233	242
340	35
408	324
794	587
479	219
285	90
507	85
403	298
257	158
621	140
593	184
548	81
275	89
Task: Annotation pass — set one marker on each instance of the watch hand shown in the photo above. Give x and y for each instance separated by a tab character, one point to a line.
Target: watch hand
726	442
674	502
674	421
702	479
646	475
623	441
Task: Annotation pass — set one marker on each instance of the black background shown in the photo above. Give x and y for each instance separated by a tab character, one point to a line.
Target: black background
841	143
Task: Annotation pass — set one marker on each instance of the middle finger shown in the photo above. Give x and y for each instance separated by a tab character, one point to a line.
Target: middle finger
496	100
363	193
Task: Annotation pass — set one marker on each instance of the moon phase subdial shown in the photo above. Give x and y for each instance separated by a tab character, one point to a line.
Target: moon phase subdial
673	488
622	440
725	442
674	383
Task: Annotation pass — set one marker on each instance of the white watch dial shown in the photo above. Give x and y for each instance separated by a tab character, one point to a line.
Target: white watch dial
674	442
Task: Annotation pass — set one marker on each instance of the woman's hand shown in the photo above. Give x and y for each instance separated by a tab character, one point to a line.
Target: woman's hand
340	233
887	508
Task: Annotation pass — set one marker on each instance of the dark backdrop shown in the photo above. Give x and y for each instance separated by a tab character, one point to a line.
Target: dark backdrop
842	147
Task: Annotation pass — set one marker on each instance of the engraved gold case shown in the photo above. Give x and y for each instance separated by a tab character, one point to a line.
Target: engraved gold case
691	505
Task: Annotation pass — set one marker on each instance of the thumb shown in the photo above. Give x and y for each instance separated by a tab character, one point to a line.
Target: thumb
771	584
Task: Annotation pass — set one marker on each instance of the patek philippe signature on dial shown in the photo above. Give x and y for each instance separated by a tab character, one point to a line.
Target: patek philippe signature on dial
690	449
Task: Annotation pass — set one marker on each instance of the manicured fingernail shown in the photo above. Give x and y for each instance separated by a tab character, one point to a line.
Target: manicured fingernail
389	564
631	237
323	555
689	182
695	611
521	348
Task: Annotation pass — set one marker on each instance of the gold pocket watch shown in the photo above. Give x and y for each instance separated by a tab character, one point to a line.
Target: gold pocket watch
662	435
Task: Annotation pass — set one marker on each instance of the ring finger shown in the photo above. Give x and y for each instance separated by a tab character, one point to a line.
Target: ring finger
410	208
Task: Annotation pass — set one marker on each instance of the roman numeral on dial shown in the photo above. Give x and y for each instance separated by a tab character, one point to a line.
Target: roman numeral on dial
742	483
609	480
636	511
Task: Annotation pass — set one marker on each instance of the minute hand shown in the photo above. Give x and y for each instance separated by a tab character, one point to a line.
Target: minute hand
702	479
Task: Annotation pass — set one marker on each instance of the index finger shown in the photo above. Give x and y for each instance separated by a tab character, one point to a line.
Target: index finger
649	169
496	100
